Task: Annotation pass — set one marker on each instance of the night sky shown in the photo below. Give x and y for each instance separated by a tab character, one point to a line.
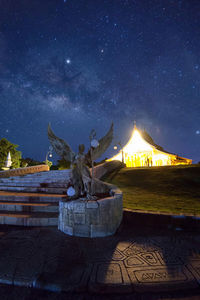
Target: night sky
81	64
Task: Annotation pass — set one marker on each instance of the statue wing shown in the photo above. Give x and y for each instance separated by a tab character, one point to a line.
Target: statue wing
60	146
104	143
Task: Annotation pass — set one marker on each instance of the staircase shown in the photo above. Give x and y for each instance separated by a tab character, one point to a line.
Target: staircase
33	199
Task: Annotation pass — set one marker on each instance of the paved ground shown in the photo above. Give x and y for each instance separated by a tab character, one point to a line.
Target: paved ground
133	264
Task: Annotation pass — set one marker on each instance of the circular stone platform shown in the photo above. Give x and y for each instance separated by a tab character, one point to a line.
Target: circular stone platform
91	218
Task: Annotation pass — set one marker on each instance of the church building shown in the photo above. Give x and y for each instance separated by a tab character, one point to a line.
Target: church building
141	151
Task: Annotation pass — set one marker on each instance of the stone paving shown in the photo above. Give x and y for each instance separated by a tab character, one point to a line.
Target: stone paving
131	262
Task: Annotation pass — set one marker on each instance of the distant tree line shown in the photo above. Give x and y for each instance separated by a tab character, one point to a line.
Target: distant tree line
5	147
19	162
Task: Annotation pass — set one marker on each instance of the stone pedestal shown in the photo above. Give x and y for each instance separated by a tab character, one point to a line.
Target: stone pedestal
91	218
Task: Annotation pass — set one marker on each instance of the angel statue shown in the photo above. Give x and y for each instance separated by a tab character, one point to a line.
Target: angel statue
82	180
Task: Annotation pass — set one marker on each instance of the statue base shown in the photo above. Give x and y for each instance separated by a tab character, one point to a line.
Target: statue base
91	219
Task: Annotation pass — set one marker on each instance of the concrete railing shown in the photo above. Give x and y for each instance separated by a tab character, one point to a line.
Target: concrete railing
24	171
107	167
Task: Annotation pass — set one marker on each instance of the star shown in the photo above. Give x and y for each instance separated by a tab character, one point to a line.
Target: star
92	62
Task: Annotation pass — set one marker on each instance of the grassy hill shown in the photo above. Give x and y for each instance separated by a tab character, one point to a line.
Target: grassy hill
174	189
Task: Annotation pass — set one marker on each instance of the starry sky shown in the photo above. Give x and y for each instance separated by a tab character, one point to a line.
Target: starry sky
81	64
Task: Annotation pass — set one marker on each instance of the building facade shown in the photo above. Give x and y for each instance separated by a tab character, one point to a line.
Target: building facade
141	151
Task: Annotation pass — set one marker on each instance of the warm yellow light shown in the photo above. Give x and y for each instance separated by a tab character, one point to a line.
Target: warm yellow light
137	144
139	153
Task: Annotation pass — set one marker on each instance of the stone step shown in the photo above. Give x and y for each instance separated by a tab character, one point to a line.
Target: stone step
25	179
29	206
30	197
29	218
44	175
40	175
59	173
48	178
50	172
49	190
33	183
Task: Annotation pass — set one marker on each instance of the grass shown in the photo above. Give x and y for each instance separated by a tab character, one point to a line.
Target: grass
174	189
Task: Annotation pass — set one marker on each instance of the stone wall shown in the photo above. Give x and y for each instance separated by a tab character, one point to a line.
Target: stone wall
24	171
91	218
107	167
99	170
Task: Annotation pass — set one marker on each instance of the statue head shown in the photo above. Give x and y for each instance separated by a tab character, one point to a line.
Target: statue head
81	148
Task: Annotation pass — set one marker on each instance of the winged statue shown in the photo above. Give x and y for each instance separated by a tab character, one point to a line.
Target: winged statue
82	180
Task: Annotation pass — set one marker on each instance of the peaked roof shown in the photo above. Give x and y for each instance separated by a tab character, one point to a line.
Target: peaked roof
149	140
141	141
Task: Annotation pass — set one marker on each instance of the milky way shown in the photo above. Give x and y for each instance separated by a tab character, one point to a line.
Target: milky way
81	64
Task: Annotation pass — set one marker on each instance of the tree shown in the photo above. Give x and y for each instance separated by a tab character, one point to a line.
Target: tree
28	162
48	163
63	164
5	147
23	163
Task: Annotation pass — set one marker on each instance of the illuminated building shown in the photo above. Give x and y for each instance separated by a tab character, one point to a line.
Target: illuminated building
141	151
